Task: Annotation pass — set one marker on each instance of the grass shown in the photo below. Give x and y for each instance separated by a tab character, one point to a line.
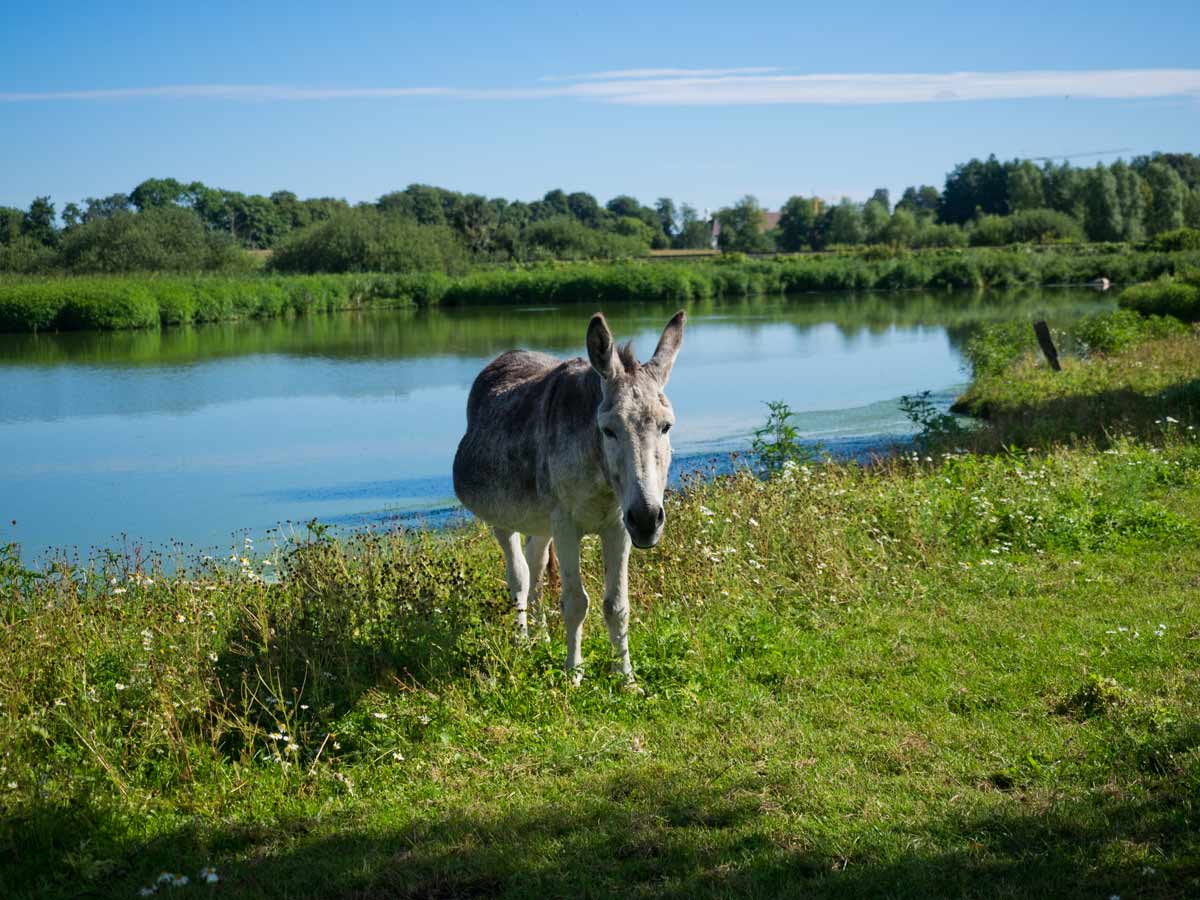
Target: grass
148	301
1095	397
961	674
969	676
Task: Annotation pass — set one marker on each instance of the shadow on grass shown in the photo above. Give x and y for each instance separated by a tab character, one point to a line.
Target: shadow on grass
1095	418
646	832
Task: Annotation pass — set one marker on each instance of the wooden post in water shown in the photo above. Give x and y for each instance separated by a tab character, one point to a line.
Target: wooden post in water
1042	330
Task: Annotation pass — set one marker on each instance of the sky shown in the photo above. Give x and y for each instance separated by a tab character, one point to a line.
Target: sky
702	102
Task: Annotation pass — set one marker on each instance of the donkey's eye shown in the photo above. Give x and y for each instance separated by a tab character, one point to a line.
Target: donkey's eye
608	433
666	427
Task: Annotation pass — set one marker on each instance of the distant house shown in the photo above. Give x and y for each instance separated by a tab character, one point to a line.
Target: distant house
772	221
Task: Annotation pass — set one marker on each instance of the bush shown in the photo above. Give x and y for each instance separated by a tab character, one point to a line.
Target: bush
24	256
167	239
1044	226
1030	226
365	240
563	237
1112	332
1167	296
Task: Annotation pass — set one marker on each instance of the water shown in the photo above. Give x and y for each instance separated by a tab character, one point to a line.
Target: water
201	435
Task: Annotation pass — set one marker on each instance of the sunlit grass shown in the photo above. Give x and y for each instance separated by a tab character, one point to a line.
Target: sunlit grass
962	675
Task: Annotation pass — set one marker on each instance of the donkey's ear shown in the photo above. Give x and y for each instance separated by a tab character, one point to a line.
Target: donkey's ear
668	348
602	353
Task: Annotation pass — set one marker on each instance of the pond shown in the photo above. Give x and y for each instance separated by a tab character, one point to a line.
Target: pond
199	436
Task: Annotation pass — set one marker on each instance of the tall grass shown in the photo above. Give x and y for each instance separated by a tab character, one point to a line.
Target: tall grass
68	304
854	677
38	304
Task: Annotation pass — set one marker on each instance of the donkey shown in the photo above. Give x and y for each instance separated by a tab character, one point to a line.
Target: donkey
556	450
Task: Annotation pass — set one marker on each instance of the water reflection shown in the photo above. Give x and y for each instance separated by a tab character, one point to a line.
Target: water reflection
194	432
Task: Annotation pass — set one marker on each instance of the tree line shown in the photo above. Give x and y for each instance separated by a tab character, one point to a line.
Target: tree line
167	225
988	203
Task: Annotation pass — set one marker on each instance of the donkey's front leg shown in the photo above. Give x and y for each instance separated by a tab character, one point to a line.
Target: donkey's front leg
614	541
574	597
516	574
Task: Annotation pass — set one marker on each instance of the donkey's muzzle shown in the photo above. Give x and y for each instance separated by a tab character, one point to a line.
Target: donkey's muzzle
644	524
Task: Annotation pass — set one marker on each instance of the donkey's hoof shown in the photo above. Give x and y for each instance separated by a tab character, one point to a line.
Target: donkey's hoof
630	686
575	676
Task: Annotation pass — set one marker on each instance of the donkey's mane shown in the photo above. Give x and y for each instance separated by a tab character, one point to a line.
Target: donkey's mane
628	360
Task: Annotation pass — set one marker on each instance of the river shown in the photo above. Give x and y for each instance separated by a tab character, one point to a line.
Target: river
199	436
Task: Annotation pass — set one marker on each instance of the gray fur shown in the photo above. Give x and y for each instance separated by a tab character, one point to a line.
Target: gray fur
562	449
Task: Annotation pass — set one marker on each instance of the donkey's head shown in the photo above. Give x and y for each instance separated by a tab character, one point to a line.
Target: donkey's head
634	417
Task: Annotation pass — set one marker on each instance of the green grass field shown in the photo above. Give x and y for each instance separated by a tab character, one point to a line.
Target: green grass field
952	674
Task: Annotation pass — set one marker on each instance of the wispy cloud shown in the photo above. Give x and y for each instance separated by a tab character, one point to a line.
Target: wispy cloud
664	73
715	87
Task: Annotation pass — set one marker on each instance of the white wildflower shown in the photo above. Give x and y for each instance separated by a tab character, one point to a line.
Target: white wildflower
118	591
379	715
293	747
753	522
209	875
120	687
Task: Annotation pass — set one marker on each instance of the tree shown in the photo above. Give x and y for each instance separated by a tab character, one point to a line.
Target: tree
425	204
875	219
584	207
664	208
1166	198
475	221
975	187
797	223
1065	189
159	192
1102	214
623	205
844	225
11	221
901	229
1191	208
104	207
921	202
38	224
1025	189
694	232
742	227
1131	196
882	197
556	203
72	215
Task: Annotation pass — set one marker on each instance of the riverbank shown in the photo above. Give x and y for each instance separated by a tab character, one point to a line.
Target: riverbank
83	303
944	675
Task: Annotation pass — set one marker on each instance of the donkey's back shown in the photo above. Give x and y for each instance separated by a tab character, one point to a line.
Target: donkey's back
499	469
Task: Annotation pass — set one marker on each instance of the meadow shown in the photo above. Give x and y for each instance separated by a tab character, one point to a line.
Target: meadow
30	304
967	670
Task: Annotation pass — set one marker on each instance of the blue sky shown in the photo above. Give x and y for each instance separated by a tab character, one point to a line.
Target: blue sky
701	102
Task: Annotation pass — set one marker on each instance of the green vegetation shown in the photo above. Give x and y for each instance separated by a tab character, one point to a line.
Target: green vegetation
70	304
39	304
1167	296
969	676
165	225
948	674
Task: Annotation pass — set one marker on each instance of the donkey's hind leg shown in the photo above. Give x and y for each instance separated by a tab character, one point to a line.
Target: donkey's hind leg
516	573
537	554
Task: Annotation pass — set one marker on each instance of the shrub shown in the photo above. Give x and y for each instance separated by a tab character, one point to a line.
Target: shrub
1178	239
1166	296
167	239
365	240
1112	332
